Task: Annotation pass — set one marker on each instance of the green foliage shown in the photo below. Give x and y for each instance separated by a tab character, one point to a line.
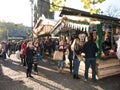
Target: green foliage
57	4
4	27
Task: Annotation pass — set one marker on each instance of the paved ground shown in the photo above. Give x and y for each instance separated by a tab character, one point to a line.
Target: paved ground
13	77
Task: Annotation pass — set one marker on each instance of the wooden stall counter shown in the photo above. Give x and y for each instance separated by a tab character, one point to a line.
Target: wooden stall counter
104	68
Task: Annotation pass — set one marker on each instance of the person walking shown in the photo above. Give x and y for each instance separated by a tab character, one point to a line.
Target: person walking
9	48
23	51
36	57
90	49
62	48
29	58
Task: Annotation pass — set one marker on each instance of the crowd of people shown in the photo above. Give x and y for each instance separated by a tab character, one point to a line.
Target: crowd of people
74	48
30	53
27	51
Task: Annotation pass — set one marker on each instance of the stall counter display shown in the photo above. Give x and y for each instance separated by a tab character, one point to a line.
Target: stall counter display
107	66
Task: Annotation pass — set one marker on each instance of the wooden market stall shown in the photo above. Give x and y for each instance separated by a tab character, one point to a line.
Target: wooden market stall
43	27
103	28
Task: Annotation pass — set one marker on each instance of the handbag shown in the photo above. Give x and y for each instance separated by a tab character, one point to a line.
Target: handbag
58	55
80	58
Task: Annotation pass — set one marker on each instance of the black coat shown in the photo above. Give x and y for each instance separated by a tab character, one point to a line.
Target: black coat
90	49
77	51
29	55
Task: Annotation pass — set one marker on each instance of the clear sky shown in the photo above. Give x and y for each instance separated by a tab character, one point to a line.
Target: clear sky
19	11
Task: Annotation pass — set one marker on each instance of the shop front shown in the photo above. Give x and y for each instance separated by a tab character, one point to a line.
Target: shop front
106	33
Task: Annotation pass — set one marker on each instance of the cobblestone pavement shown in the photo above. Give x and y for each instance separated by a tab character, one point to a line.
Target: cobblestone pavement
13	77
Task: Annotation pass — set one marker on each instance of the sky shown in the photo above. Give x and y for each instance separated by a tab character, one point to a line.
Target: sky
19	11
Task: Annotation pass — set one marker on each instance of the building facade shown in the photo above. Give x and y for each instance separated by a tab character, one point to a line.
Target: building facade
41	8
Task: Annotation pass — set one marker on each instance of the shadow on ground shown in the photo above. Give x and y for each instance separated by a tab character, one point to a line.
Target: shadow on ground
6	83
54	80
48	69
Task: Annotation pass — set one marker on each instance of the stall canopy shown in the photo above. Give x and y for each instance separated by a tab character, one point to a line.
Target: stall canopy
75	12
77	19
71	22
43	26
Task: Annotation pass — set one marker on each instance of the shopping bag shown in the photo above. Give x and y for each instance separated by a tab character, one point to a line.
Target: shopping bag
58	55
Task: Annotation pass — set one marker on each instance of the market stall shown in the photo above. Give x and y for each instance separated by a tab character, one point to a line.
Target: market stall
43	27
106	32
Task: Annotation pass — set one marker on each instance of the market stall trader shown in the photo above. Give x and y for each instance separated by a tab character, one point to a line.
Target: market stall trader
106	46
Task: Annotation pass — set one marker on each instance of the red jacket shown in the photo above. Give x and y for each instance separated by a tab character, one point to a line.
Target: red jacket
23	48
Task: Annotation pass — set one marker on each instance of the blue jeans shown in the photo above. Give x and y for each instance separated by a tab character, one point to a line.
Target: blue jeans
92	62
61	64
76	64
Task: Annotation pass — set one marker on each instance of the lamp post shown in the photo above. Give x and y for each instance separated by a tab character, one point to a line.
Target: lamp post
32	7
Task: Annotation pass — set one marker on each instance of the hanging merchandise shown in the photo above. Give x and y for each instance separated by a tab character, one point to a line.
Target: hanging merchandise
94	36
92	28
107	27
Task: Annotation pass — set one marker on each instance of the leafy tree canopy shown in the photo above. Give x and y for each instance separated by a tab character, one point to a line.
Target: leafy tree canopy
5	26
88	4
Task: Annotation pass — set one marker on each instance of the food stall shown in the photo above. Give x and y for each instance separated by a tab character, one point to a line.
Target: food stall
105	30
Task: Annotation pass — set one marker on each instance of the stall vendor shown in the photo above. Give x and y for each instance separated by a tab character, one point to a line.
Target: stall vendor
106	46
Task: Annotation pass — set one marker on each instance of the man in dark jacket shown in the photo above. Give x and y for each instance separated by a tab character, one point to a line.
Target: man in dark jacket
90	49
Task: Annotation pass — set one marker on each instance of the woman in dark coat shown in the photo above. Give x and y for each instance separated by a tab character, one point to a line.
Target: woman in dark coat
29	58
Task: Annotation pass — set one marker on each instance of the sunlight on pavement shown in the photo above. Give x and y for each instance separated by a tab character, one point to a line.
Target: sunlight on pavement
48	69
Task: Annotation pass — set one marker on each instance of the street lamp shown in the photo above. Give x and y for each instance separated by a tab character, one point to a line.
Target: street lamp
32	7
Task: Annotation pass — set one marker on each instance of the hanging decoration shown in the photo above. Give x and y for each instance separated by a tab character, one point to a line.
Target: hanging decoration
76	26
107	27
85	22
92	28
72	25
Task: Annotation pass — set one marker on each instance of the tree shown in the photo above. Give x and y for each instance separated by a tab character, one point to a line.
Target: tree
113	11
88	4
5	26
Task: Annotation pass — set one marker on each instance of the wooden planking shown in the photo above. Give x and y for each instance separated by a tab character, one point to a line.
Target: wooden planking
103	68
107	75
109	70
108	63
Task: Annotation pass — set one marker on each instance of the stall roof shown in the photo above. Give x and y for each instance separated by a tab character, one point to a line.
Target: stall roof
43	26
70	22
71	11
